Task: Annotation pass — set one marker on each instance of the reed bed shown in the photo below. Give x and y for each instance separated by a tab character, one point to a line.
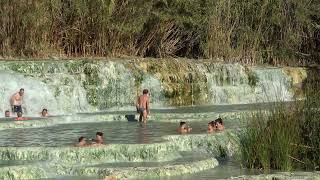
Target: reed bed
251	31
288	136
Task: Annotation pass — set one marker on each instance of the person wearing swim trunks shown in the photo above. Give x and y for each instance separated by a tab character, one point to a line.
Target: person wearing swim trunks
143	106
16	101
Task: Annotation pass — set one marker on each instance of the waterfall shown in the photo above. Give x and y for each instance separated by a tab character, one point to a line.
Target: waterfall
235	84
66	87
53	95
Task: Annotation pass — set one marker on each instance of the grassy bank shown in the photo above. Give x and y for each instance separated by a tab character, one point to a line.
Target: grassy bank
288	137
251	31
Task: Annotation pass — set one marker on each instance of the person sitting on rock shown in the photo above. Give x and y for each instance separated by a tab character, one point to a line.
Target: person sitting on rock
212	126
20	118
219	124
82	142
44	113
184	128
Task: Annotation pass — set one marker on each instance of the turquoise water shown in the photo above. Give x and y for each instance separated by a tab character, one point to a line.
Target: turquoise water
56	140
114	133
225	170
125	131
50	146
82	105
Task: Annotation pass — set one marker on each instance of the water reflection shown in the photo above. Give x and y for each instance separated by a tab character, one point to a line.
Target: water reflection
18	137
115	132
143	133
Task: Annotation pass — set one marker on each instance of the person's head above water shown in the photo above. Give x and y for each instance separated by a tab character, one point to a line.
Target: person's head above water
219	124
82	142
21	92
211	126
219	120
145	91
82	139
99	138
19	114
184	128
182	123
7	113
44	112
99	134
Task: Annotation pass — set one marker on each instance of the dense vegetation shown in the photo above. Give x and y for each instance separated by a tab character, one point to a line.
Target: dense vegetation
252	31
288	137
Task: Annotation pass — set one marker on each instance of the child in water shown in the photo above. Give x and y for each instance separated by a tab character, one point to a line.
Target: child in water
219	124
184	128
212	126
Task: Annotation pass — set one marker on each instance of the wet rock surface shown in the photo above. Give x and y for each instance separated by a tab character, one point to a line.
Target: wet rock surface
87	85
41	148
90	161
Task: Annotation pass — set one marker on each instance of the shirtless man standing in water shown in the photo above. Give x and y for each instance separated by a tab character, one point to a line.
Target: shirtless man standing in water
16	101
143	107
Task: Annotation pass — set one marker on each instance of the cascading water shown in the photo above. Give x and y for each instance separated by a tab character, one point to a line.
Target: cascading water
272	85
59	93
42	148
81	86
234	84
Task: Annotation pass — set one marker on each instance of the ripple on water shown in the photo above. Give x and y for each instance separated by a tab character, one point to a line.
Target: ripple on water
115	133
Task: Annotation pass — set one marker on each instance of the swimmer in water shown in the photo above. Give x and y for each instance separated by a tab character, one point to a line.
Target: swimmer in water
143	106
184	128
212	126
82	142
44	113
7	114
219	124
20	118
99	139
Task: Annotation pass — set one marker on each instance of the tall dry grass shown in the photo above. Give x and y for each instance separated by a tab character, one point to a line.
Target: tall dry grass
251	31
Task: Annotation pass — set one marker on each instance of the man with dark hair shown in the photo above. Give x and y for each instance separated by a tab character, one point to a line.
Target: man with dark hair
7	113
82	142
16	101
184	128
99	138
219	124
143	106
44	113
